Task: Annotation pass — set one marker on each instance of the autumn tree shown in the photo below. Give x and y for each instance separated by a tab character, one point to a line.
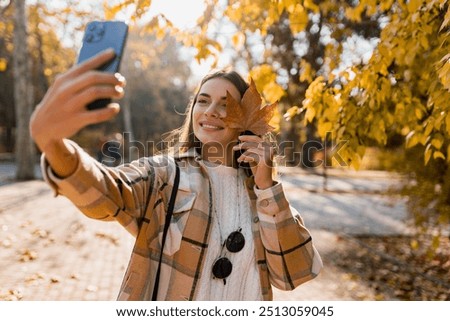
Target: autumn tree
46	58
23	95
301	42
7	117
402	90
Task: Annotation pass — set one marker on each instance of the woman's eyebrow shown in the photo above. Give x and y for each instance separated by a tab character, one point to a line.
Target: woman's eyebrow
209	96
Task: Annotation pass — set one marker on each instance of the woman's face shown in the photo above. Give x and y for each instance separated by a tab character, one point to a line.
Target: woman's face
209	111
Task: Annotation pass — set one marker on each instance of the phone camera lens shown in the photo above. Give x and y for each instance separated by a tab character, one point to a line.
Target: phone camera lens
89	37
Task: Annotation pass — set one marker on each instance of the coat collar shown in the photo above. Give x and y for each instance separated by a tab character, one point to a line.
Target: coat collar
195	155
190	153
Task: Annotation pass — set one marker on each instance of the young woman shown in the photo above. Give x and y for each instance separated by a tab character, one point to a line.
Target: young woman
232	235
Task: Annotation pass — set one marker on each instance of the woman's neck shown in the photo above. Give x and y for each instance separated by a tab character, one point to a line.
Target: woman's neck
215	152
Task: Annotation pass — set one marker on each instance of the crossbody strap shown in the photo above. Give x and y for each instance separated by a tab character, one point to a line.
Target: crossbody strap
166	227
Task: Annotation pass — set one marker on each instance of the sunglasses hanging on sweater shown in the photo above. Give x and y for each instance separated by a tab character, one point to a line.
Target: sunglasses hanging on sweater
222	266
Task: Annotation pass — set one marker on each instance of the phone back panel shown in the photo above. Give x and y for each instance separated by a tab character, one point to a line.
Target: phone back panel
101	35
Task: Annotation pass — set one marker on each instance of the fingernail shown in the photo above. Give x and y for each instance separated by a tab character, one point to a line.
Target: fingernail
119	77
110	51
114	106
118	89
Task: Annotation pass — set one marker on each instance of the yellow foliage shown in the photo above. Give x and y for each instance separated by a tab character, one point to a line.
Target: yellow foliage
298	19
447	123
413	5
142	7
438	154
428	153
262	75
3	64
323	128
309	4
386	5
289	5
253	15
354	14
265	80
291	112
414	244
112	11
437	142
273	92
238	40
446	21
355	159
307	73
404	88
310	114
444	71
276	120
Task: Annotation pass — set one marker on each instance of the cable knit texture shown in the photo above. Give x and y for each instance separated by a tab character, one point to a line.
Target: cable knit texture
229	198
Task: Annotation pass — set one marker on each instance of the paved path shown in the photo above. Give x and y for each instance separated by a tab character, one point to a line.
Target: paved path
49	251
353	203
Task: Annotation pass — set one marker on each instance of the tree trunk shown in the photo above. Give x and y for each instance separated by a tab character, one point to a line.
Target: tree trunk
23	95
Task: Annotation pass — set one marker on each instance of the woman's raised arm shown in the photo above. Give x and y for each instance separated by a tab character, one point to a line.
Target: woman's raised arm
62	112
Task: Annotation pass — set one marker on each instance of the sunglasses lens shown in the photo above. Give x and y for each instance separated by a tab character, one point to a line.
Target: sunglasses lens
235	242
222	268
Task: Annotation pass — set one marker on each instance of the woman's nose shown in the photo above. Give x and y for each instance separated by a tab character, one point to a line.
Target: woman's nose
213	110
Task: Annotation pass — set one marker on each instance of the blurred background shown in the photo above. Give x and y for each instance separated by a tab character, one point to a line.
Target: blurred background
363	126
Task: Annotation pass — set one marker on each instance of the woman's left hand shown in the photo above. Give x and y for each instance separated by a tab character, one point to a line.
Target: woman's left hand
259	154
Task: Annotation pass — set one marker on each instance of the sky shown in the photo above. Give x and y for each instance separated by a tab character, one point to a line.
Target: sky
183	14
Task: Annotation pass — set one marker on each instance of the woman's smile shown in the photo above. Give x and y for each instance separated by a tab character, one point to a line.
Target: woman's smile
206	125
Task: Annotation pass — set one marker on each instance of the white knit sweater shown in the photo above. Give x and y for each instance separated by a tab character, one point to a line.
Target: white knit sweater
231	207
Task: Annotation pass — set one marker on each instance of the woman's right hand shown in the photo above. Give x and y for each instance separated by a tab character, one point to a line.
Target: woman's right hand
62	112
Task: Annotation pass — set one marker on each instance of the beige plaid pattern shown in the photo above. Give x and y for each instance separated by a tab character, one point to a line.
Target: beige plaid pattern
136	195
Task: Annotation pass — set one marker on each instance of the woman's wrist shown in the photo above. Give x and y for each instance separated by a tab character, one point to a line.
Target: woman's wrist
265	185
62	158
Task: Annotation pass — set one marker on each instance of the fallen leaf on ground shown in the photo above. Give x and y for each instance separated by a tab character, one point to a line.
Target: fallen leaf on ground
28	255
113	239
92	288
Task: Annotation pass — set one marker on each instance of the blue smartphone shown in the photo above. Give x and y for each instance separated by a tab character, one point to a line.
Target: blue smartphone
98	36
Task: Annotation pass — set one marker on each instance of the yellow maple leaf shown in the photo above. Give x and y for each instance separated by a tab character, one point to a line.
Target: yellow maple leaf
248	115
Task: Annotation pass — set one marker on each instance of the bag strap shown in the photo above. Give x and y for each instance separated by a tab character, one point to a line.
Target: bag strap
166	227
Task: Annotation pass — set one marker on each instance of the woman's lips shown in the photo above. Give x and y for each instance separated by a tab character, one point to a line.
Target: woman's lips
211	126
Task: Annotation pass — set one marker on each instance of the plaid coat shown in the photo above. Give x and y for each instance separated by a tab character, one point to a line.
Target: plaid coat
136	195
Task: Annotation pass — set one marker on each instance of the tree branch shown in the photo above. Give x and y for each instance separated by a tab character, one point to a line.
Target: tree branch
3	10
